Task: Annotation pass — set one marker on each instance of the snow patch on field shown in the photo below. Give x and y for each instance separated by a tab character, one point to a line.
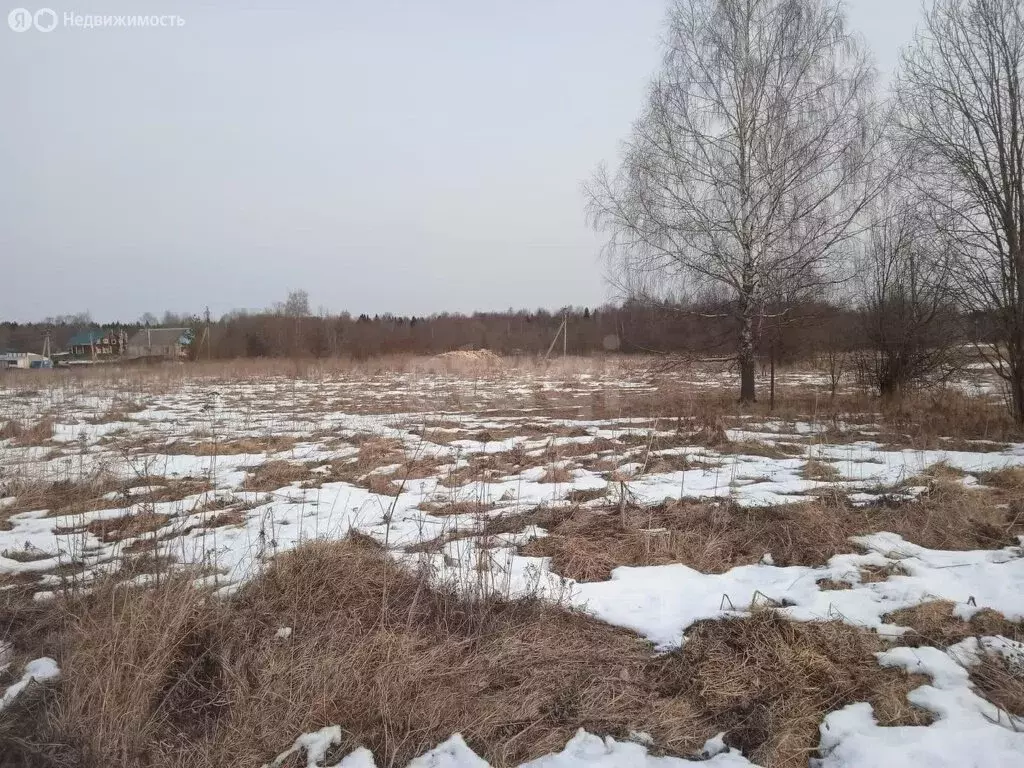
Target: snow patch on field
968	731
661	602
37	670
584	750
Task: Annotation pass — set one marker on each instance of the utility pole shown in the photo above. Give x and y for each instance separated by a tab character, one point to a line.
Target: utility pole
561	329
206	333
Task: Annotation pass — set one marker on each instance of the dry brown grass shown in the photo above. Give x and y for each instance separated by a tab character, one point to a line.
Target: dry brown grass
663	464
418	468
712	432
950	414
109	417
27	554
769	682
377	452
274	475
484	467
873	574
558	451
362	470
169	677
250	445
381	484
820	470
920	420
32	628
944	419
1000	679
714	537
557	474
63	497
1009	478
34	434
832	585
941	471
454	431
227	518
166	677
584	495
934	624
754	448
460	507
159	489
128	526
170	489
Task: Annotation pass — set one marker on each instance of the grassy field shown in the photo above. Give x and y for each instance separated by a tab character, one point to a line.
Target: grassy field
223	557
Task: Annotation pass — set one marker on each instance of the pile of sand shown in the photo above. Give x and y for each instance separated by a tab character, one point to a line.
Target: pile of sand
477	358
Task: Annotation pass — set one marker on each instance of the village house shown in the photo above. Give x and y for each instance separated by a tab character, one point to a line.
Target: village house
162	343
97	343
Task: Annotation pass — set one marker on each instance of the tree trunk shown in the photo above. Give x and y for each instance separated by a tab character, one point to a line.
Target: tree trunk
748	360
1016	346
1016	384
1017	392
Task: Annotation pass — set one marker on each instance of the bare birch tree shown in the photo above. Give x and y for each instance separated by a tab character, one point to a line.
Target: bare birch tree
749	167
961	112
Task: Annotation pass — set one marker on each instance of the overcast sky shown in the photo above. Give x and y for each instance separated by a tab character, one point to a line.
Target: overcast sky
405	156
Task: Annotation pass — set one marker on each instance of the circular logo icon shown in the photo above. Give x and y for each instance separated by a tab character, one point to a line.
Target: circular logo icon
45	20
20	20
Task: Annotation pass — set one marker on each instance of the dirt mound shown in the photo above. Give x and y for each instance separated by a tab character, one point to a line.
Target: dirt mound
478	358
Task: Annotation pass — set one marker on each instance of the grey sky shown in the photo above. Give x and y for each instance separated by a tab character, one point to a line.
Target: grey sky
411	157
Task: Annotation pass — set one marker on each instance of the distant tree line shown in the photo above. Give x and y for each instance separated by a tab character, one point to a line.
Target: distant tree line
795	332
629	328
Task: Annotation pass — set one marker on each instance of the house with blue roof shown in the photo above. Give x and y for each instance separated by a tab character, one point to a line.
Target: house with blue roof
96	343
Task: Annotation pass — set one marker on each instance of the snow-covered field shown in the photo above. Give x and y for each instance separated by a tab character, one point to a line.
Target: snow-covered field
221	475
